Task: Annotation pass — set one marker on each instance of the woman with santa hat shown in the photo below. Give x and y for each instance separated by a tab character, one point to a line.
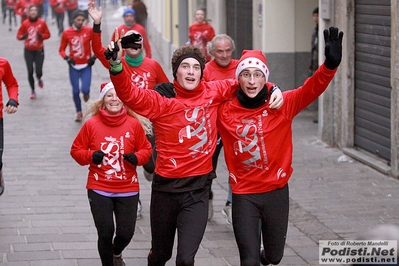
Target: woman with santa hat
112	142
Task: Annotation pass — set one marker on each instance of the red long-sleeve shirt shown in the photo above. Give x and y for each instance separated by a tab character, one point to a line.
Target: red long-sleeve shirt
184	126
200	34
258	142
115	136
7	77
213	71
79	42
33	29
144	76
59	6
71	4
11	3
22	6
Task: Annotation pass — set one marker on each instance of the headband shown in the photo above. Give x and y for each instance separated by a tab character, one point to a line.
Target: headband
188	55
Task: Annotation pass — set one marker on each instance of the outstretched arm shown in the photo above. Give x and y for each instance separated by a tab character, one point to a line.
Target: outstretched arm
96	44
314	86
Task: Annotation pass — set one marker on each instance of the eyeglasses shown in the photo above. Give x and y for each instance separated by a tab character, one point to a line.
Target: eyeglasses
248	75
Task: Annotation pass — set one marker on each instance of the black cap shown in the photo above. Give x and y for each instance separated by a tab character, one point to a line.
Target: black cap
78	13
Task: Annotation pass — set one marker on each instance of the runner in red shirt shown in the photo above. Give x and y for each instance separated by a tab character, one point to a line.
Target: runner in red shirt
34	31
80	59
113	143
22	8
59	8
10	8
71	6
6	77
200	32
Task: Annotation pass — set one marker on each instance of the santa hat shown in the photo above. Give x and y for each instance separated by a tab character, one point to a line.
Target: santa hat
253	58
104	88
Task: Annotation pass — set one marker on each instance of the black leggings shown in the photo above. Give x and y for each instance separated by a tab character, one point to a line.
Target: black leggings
256	215
188	213
11	14
103	210
37	58
59	17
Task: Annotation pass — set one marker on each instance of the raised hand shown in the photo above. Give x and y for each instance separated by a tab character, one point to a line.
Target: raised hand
95	13
333	47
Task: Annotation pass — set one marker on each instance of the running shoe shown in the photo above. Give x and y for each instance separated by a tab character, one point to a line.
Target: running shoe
79	117
41	84
118	261
32	96
86	97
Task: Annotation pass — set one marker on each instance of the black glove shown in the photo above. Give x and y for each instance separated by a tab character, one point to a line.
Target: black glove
92	60
131	158
112	54
69	60
23	37
39	35
97	157
333	48
12	103
131	41
165	89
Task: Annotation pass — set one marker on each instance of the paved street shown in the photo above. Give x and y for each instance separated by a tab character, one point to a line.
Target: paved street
44	213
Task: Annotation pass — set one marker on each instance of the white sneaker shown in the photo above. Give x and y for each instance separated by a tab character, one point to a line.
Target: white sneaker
227	213
118	261
139	208
210	210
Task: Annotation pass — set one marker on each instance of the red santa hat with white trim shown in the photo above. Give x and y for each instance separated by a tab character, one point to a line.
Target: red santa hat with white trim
104	88
253	58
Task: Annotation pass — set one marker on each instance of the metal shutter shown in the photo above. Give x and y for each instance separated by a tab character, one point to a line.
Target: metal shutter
239	24
372	77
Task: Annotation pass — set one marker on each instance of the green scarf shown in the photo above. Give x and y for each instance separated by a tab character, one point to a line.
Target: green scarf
134	62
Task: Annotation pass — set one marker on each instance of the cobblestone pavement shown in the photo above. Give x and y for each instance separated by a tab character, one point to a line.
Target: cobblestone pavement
44	214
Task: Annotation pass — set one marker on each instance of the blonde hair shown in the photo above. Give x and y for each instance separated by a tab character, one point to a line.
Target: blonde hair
94	108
